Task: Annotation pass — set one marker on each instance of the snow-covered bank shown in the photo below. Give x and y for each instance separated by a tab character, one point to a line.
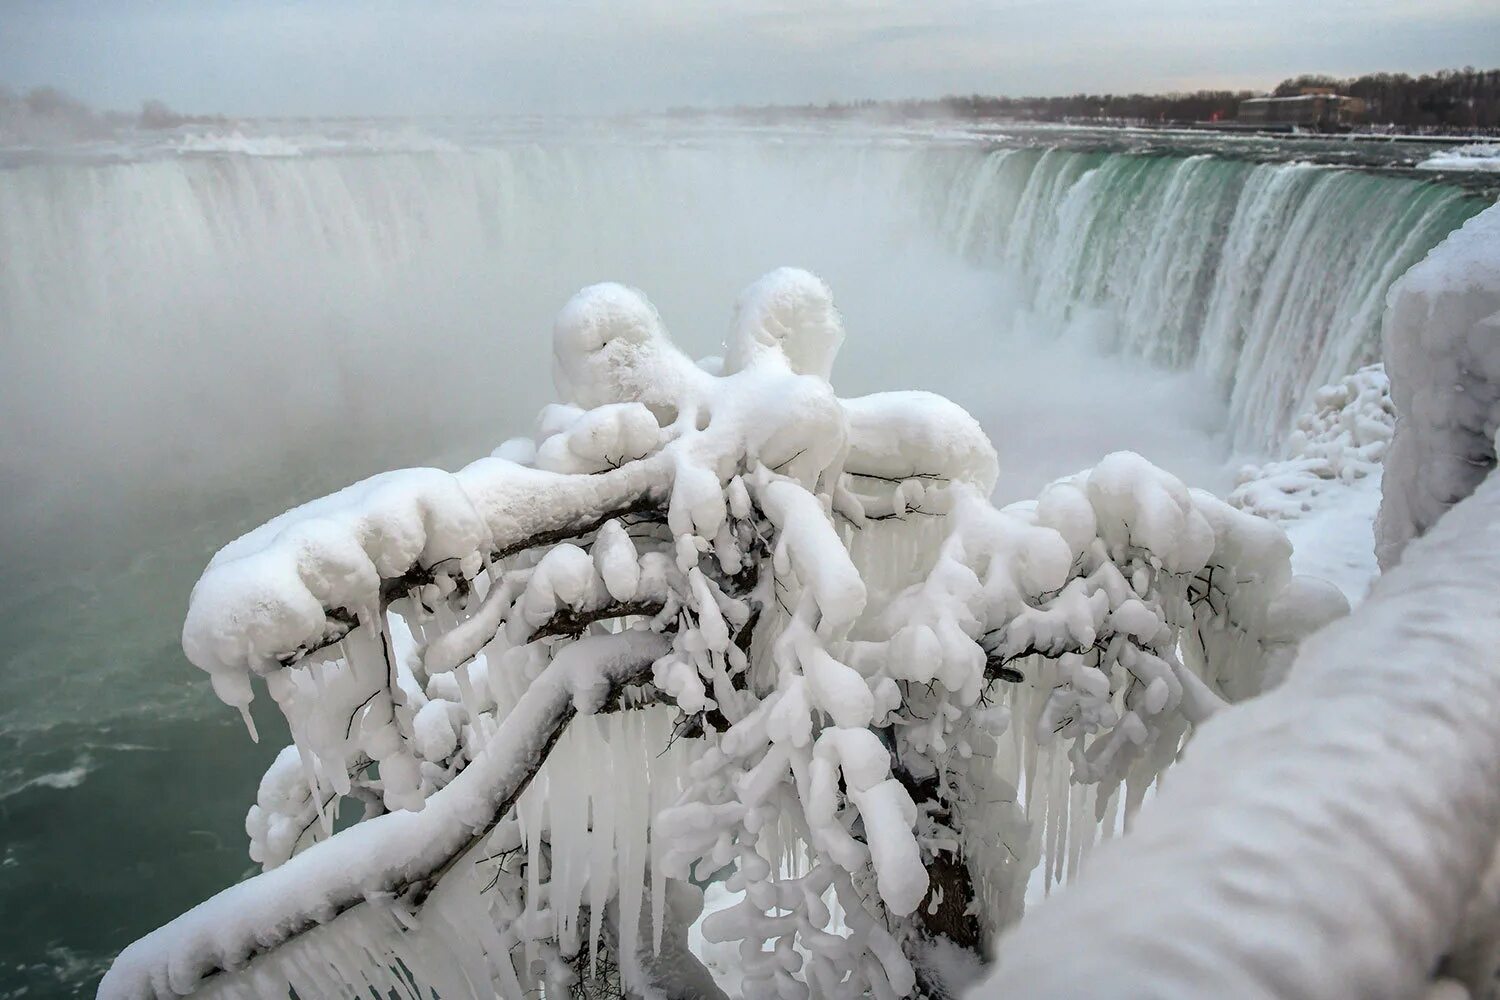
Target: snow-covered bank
1336	540
1326	492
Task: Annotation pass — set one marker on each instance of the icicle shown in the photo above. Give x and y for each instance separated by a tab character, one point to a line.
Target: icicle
665	784
249	723
1110	822
529	813
1053	803
1062	793
1081	828
470	702
634	806
568	805
606	805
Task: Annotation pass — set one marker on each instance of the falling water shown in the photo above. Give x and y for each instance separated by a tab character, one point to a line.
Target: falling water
1270	278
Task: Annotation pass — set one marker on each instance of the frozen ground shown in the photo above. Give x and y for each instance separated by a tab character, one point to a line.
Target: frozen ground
1336	541
1326	491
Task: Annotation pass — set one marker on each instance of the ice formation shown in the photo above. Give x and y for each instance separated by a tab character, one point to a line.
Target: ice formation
1473	156
1442	347
1321	841
708	622
1342	440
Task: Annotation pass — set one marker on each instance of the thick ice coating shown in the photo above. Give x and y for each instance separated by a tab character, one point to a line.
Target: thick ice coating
789	313
1442	348
702	623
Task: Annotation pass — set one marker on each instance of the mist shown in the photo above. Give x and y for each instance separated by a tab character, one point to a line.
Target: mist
195	327
204	339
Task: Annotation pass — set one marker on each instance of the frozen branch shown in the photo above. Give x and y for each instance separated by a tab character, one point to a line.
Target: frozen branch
1360	800
395	855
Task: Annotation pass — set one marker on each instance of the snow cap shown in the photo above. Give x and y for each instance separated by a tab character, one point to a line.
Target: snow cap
789	310
605	335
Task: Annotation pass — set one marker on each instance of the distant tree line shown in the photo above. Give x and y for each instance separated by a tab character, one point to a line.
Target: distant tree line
1465	98
48	115
1205	105
1450	100
1201	105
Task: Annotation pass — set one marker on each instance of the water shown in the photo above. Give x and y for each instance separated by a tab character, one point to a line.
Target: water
1268	278
202	331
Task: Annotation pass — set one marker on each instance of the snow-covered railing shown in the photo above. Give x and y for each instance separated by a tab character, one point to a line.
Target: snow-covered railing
1337	836
712	619
1442	350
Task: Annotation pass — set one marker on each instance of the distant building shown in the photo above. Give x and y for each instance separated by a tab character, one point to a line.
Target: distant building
1321	109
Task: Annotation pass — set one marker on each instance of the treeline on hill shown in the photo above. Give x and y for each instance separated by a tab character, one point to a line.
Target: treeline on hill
1451	98
1459	100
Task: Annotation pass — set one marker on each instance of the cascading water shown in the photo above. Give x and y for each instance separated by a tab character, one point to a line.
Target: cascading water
1270	277
194	340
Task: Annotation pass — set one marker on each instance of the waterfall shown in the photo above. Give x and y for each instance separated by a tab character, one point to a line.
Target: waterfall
1268	277
208	321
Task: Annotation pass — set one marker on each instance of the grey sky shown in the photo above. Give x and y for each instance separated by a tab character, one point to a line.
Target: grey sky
384	56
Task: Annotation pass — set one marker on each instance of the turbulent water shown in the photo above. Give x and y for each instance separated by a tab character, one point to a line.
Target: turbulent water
198	333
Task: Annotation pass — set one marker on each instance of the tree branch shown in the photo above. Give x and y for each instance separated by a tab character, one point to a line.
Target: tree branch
342	621
400	855
572	622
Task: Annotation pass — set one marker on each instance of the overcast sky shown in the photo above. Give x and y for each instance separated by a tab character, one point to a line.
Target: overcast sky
384	56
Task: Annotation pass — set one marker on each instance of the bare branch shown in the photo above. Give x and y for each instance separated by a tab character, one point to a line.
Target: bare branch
572	622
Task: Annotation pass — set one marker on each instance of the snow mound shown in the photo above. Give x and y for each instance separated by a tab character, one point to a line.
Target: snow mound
1342	440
